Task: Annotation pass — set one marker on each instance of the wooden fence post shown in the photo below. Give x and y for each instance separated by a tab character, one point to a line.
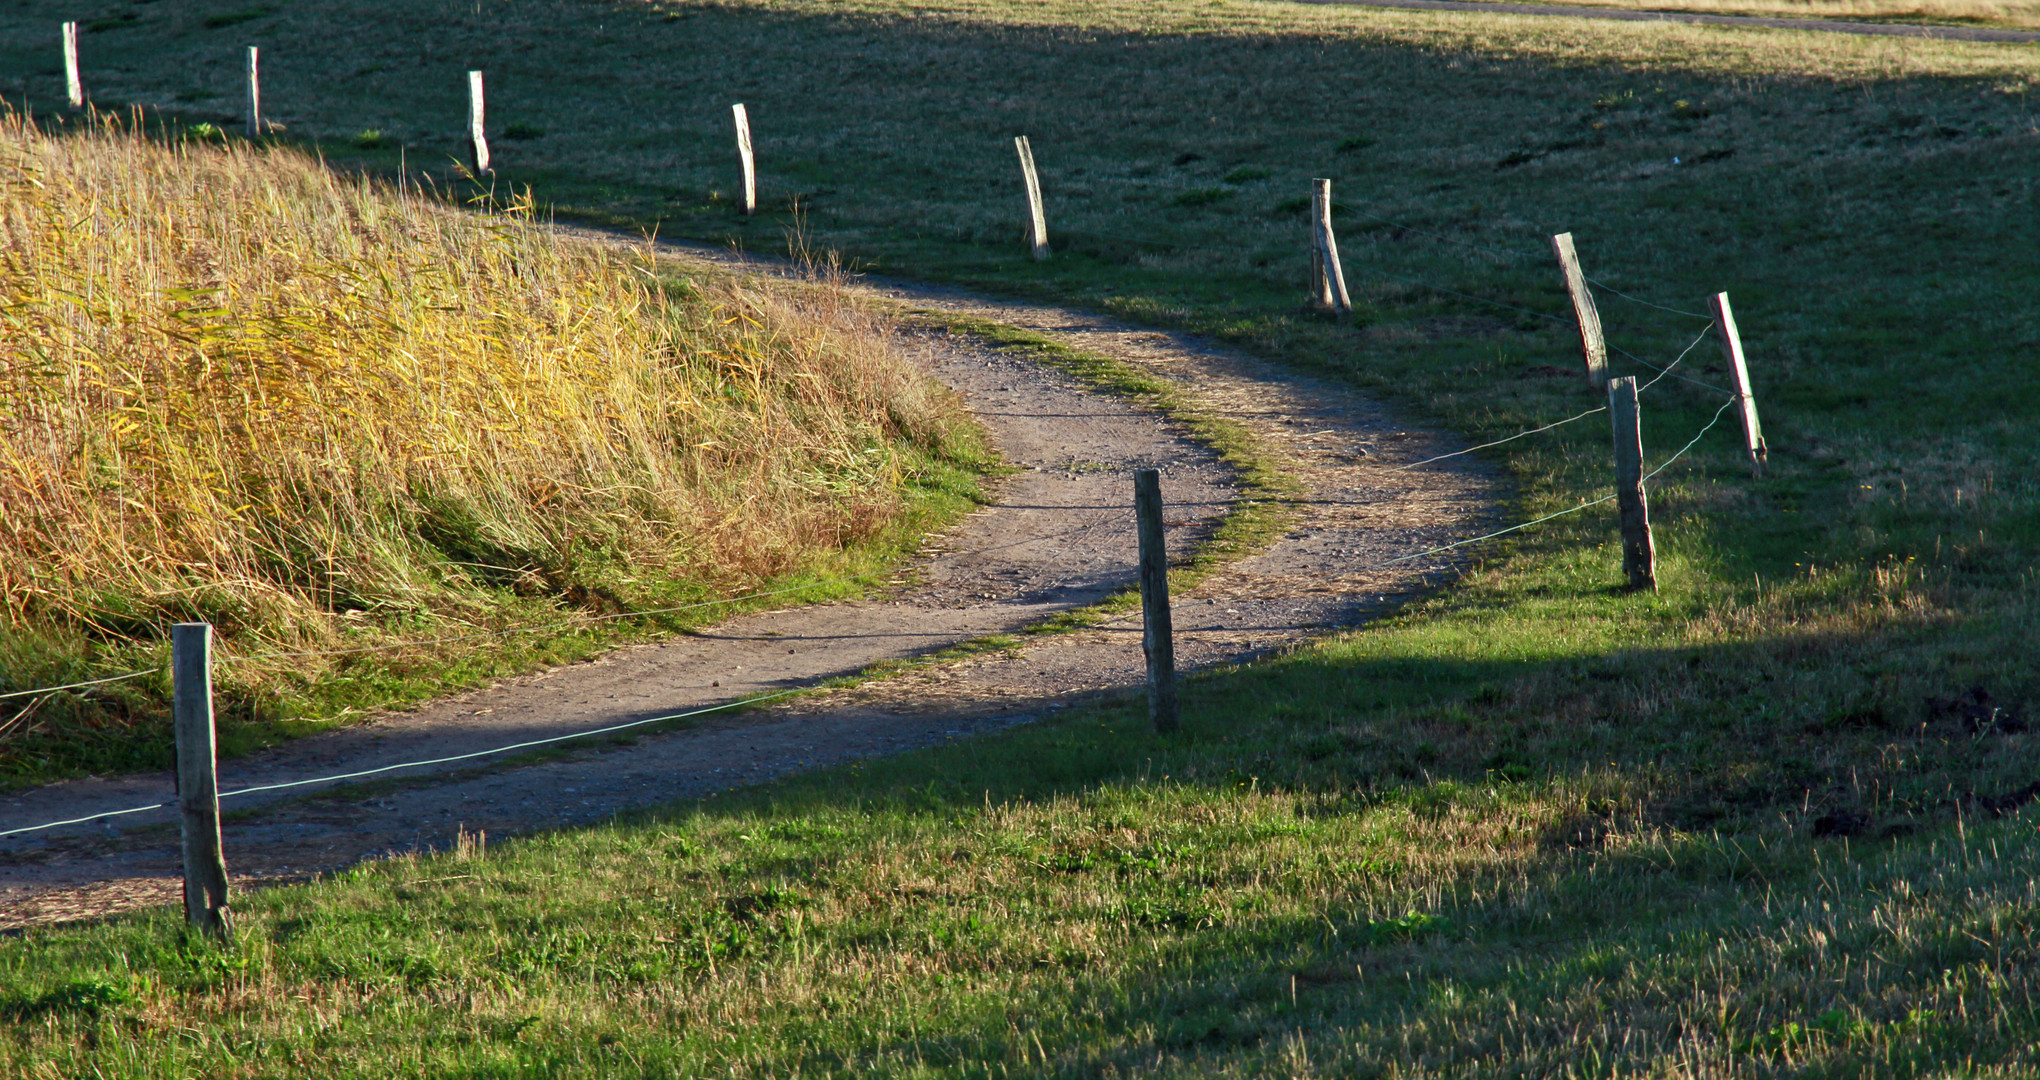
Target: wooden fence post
1329	286
1731	341
198	790
1639	555
254	92
744	155
1158	638
74	87
1037	222
1592	346
478	139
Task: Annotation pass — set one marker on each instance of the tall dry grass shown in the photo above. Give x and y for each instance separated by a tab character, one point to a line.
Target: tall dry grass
235	386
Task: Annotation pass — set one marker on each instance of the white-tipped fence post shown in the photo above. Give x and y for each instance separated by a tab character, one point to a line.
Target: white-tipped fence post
1593	347
1158	637
1731	342
1037	221
744	155
1328	285
478	139
198	787
1639	554
254	91
74	87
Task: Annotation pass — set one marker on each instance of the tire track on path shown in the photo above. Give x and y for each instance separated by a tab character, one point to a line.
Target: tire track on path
1058	536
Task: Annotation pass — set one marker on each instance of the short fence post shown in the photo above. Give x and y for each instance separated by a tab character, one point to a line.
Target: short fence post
744	155
1731	341
1329	284
1158	638
198	790
1639	556
478	140
74	87
1037	222
254	92
1592	346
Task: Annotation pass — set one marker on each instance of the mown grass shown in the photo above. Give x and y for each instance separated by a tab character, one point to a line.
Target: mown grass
340	422
1608	801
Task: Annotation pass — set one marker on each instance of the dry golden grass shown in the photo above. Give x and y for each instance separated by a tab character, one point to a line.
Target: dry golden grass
238	388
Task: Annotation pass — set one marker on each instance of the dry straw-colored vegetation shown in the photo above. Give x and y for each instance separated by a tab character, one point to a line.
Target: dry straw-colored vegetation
317	412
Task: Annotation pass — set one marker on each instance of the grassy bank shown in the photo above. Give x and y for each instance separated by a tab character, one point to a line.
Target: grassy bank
1766	820
1079	900
341	422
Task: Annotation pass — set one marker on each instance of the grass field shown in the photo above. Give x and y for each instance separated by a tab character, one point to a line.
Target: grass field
1768	820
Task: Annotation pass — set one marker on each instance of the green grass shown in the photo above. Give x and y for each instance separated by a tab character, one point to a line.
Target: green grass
1599	806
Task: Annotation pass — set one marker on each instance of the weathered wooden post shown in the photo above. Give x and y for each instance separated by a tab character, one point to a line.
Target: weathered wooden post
198	788
1731	341
1593	347
744	155
254	92
1037	222
478	139
1158	638
1639	555
74	87
1328	285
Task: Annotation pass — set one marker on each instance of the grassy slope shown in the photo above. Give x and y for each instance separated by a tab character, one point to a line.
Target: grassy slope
1597	805
340	422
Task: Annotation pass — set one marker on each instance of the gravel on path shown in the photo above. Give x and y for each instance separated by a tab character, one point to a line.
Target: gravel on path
1826	26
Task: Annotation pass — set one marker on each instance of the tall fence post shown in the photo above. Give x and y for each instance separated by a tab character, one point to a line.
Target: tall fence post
1037	221
1593	347
1639	555
1158	637
1328	285
1731	342
478	139
743	119
74	87
254	91
198	789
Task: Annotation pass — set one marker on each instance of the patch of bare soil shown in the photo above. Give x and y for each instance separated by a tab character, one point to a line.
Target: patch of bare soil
1059	536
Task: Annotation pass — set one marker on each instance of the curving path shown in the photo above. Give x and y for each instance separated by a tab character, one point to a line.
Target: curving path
1058	536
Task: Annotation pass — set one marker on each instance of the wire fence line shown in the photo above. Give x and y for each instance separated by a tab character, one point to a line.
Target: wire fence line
563	623
79	685
706	709
1498	442
359	773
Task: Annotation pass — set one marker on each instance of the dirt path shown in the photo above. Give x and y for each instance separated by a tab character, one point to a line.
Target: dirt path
1828	26
1059	536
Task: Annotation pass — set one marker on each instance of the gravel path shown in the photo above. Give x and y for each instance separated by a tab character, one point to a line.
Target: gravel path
1828	26
1059	536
